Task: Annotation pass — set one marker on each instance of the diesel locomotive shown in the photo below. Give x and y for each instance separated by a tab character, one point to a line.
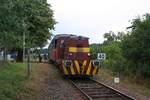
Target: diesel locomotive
72	54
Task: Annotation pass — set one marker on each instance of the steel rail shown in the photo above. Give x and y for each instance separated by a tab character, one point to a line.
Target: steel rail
87	96
113	89
117	92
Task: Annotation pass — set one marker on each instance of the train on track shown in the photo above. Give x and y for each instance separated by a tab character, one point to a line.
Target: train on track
72	54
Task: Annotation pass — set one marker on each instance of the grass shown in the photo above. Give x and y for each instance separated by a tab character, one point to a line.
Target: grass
12	79
142	89
14	84
108	75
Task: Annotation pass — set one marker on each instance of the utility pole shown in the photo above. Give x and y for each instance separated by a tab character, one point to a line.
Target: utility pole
28	51
23	46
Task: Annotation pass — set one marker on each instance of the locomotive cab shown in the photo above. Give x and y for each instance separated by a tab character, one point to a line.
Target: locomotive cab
73	55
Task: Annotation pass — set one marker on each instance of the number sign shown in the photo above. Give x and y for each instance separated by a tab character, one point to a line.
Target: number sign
101	56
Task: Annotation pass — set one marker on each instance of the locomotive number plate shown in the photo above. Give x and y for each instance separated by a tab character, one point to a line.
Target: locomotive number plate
80	49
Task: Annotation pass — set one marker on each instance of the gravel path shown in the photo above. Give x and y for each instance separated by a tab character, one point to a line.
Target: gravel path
47	84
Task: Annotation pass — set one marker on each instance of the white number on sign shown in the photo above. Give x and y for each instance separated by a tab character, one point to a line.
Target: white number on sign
101	56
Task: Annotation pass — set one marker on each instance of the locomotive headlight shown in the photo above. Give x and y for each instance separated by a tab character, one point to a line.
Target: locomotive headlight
68	63
96	63
89	54
70	54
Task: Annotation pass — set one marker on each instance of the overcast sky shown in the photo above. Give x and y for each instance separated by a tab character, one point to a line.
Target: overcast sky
93	18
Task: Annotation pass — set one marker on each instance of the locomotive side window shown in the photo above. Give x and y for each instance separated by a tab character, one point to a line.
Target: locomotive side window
62	44
55	43
52	45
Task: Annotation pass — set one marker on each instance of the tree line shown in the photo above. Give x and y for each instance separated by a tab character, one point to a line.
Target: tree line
128	54
31	20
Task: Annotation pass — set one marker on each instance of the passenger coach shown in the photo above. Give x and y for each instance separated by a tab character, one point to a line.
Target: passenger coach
72	53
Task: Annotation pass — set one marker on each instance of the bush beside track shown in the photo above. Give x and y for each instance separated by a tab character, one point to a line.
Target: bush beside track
12	79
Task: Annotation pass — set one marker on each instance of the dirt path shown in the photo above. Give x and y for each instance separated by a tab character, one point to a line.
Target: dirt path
47	84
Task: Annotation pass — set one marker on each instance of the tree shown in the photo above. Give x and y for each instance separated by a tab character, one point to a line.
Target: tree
94	50
136	47
34	18
136	44
114	59
110	37
120	36
8	25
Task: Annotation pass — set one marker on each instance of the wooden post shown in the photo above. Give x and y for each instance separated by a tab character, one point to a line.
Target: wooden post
28	63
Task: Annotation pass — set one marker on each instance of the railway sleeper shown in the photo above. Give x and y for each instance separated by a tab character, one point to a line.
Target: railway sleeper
100	93
87	85
105	96
91	88
96	89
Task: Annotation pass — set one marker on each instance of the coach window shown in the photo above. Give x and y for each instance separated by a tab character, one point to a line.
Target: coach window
55	43
62	44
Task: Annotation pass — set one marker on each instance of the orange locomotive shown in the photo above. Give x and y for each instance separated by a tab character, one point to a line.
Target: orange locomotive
72	53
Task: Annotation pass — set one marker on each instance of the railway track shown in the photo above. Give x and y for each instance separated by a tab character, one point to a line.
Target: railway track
94	90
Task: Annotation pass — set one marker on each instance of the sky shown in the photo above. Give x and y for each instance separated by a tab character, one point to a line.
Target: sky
93	18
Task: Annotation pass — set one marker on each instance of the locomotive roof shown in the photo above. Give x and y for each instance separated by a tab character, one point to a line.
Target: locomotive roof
69	36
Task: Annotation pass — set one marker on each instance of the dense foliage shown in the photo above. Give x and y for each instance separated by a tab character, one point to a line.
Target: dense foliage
128	54
136	47
137	42
32	18
94	50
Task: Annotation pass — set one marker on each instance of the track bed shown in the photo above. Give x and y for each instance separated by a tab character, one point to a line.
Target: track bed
95	90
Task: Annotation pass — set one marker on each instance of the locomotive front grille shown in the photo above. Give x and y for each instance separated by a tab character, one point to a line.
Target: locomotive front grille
81	67
79	56
81	64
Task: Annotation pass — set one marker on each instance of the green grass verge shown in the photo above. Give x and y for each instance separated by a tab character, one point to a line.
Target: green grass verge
12	78
108	75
